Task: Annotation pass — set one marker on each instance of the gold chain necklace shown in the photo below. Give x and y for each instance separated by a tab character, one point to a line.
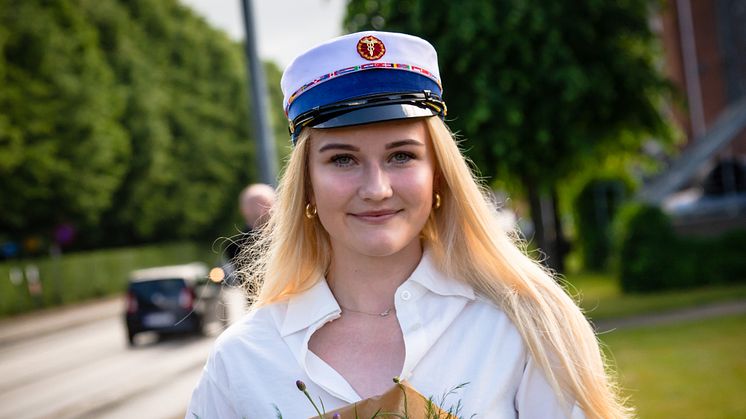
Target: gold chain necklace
382	314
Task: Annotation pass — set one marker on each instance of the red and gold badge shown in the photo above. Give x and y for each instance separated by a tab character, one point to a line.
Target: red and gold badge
370	48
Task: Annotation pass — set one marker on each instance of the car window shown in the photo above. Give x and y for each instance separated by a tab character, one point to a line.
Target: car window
165	287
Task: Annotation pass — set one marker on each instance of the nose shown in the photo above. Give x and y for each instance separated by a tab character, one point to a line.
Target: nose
375	184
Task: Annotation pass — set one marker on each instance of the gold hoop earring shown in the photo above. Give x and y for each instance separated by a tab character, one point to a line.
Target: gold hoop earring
311	211
436	205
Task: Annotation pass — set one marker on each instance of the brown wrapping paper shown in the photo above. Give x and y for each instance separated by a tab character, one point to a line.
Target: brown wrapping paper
392	401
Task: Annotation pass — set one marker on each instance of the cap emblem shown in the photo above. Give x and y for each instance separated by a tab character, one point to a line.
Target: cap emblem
370	48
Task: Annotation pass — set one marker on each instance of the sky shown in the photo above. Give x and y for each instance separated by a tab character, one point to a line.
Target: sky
285	27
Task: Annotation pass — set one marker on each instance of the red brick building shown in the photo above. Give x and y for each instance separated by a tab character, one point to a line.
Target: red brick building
705	55
704	188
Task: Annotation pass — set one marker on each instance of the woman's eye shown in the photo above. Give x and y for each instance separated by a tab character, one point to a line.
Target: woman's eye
401	157
342	160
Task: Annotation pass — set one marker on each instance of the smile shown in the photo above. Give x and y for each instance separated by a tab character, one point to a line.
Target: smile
375	217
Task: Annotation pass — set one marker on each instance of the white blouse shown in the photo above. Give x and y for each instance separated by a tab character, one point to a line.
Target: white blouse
452	336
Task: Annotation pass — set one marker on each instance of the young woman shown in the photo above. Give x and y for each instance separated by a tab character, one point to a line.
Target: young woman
383	258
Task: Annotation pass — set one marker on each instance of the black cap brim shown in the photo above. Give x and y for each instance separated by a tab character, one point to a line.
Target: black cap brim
369	115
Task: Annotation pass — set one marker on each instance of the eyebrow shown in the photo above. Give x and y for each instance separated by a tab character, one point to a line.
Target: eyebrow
349	147
337	146
401	143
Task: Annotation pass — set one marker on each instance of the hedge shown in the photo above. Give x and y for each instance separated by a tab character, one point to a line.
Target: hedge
595	208
81	276
650	256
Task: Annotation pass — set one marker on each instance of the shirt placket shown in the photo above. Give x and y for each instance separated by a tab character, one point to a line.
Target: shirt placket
322	373
411	322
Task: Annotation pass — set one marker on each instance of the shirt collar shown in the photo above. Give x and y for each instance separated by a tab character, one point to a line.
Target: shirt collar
318	302
309	307
430	277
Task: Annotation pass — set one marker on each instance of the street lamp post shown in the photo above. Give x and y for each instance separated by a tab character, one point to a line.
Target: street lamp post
266	155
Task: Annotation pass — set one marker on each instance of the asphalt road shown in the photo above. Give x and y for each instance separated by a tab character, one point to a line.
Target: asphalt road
75	363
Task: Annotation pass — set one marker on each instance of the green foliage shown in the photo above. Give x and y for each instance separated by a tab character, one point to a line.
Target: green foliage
63	151
646	254
127	119
273	75
538	87
651	257
82	276
595	207
187	111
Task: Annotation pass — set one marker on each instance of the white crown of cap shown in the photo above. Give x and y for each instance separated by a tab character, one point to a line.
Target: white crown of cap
341	53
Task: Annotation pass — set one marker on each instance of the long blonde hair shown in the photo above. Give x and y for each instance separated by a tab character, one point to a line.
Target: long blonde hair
468	244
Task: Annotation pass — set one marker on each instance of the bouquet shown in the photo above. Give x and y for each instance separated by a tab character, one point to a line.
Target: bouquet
400	401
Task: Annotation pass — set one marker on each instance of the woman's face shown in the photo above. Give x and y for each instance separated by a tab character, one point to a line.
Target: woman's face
372	185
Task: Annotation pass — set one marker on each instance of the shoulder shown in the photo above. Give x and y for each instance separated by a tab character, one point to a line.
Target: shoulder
498	314
255	336
257	324
246	357
485	309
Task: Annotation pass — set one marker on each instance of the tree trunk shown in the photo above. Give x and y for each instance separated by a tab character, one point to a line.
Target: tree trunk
561	243
548	234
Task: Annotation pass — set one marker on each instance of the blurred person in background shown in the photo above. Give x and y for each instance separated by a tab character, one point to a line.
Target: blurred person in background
254	202
384	257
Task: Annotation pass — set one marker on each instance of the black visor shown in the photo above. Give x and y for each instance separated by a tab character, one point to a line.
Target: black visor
366	110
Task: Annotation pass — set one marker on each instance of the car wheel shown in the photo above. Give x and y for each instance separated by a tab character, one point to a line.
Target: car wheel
130	339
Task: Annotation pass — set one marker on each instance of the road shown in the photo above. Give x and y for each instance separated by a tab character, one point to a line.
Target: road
76	364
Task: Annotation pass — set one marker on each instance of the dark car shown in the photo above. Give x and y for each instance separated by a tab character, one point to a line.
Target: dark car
172	299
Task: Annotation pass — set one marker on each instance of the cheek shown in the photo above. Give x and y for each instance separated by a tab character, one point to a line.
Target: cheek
418	184
328	189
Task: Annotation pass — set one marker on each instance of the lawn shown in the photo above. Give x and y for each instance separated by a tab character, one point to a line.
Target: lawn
688	370
601	297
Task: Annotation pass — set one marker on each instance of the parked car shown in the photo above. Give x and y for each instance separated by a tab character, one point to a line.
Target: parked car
172	299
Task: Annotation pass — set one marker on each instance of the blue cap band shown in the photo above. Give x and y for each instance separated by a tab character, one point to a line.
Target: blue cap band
361	83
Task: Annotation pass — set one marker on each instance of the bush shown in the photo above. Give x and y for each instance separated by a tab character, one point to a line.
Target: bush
651	257
595	208
85	275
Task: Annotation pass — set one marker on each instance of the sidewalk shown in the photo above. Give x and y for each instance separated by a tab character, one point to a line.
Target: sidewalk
42	322
50	320
726	308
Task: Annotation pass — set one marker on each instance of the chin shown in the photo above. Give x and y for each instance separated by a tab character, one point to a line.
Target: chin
378	249
381	246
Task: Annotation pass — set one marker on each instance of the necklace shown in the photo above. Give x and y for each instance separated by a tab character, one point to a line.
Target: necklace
382	314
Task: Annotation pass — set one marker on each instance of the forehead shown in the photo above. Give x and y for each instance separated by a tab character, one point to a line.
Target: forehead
371	135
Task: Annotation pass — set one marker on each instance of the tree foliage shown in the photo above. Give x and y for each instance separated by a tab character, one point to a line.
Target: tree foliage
63	150
127	119
538	88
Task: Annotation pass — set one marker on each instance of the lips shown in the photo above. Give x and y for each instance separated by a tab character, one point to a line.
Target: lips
378	216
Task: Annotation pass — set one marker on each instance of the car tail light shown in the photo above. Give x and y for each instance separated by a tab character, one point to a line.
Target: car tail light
131	303
186	298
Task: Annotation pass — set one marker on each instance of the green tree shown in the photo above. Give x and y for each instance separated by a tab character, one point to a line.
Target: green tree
279	121
187	112
126	118
62	150
539	88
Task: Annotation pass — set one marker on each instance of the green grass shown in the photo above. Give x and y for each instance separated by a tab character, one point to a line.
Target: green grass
601	297
688	370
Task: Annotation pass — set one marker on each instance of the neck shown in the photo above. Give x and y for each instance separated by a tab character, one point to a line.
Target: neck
368	283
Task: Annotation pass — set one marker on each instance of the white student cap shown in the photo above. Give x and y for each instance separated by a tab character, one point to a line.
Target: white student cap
362	78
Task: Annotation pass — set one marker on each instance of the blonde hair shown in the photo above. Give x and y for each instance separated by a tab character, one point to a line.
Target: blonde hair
468	244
